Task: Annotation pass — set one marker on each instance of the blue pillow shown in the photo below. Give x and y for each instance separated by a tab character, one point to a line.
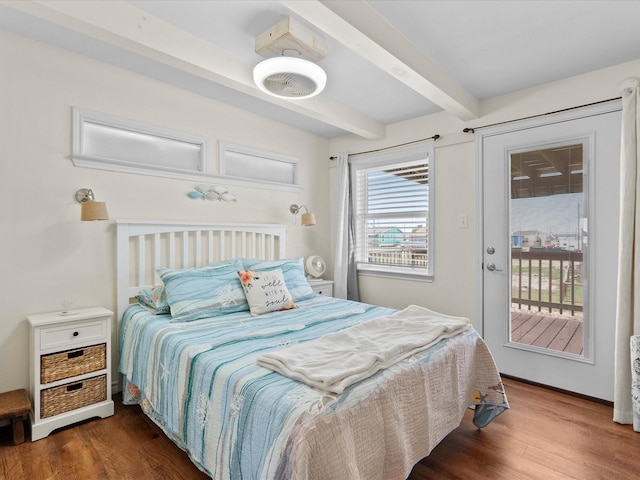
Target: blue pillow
292	271
203	292
226	262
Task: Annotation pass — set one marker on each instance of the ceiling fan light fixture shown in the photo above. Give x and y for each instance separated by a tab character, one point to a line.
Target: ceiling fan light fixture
289	77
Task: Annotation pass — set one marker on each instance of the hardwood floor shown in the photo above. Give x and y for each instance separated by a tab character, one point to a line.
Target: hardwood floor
545	435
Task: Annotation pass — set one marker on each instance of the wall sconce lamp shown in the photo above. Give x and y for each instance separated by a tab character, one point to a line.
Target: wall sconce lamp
307	219
91	210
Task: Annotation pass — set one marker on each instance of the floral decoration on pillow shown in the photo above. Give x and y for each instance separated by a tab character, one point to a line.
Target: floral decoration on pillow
266	291
292	271
154	298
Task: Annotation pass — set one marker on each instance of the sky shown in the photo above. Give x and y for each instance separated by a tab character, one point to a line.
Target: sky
552	214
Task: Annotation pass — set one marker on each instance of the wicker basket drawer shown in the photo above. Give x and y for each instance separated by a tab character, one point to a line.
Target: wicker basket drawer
57	400
67	364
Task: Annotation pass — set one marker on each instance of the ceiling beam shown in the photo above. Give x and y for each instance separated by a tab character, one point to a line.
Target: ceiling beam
361	28
132	29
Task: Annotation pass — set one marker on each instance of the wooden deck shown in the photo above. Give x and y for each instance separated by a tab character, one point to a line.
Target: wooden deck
561	333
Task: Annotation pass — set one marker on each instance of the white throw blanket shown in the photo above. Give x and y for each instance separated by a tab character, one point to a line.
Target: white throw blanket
339	359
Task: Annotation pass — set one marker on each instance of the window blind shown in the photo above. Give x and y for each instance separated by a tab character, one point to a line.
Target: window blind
391	207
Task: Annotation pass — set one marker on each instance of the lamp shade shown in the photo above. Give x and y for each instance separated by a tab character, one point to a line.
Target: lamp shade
308	219
93	211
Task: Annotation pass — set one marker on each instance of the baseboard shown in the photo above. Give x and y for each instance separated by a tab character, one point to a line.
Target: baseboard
560	390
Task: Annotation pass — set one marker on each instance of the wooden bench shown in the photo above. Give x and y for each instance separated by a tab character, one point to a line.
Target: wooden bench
13	405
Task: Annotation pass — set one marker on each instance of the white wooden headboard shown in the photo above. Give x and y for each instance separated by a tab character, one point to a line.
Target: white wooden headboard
143	246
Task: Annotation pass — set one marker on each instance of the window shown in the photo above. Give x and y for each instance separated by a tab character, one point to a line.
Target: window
111	143
258	165
392	203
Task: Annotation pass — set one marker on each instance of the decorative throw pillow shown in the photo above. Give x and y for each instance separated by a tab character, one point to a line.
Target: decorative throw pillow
292	271
154	298
266	291
203	292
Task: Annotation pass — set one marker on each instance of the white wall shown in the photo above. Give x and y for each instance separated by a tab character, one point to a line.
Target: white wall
455	288
47	253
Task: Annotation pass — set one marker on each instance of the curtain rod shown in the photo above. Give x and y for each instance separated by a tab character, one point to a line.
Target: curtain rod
472	130
435	137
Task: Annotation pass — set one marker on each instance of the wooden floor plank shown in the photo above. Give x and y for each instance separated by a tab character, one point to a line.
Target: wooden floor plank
545	435
101	437
36	461
525	328
576	344
560	333
546	337
564	336
77	458
534	334
10	463
518	319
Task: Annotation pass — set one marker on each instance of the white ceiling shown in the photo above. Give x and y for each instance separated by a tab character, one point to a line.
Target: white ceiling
388	60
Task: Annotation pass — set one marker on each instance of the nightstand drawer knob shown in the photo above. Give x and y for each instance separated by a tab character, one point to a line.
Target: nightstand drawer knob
75	334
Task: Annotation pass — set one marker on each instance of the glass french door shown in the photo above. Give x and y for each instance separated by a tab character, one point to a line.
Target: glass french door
550	222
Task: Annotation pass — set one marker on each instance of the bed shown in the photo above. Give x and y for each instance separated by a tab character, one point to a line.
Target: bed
198	371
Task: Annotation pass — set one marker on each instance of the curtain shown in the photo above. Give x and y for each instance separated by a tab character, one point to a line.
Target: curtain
635	381
345	273
628	302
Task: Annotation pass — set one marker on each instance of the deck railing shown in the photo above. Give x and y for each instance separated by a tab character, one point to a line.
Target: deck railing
547	280
400	256
542	279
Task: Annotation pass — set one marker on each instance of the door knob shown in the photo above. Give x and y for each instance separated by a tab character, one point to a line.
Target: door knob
492	267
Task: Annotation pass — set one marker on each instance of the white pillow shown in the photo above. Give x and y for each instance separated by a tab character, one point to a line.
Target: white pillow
266	291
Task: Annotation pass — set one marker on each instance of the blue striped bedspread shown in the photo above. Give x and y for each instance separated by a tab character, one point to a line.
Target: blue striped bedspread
200	383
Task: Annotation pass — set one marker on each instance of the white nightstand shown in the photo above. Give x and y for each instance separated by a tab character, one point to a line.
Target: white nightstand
70	368
322	287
